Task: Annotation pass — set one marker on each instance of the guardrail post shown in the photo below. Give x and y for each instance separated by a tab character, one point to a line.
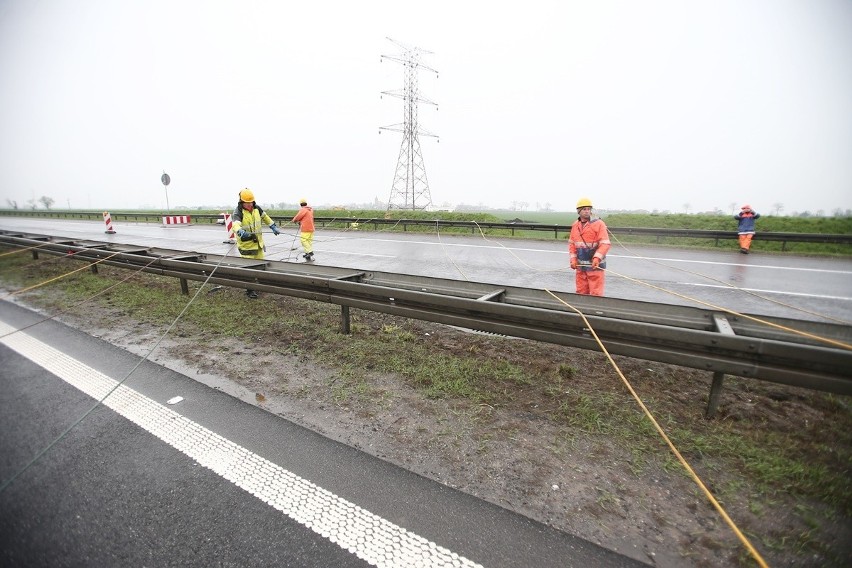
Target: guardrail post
344	320
715	391
723	326
184	287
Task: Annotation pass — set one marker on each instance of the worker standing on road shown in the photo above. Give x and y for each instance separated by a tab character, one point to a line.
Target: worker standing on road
746	217
588	245
305	219
248	220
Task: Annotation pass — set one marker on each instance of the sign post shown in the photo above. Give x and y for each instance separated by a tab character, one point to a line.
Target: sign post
166	181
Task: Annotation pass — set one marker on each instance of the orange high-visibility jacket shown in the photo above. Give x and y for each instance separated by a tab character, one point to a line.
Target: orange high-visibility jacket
305	217
588	240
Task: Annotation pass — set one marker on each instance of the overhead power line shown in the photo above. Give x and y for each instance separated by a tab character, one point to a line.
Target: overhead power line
410	188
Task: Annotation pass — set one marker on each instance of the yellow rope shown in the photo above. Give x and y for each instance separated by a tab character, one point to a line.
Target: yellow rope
25	249
61	276
84	300
668	441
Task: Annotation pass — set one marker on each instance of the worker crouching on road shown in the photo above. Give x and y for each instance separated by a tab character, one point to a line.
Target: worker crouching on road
746	217
588	245
305	219
248	220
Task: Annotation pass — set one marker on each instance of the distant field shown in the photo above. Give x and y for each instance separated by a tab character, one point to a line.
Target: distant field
827	225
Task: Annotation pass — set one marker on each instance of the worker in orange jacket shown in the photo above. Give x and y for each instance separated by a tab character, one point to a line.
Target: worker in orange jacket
305	219
588	245
745	229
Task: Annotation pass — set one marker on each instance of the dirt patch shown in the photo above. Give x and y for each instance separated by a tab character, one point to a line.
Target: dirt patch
532	454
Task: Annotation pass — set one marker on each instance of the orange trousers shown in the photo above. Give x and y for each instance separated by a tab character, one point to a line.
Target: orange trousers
590	282
745	241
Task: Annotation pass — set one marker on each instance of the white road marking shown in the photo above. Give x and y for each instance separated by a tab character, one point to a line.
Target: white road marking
718	263
367	536
759	291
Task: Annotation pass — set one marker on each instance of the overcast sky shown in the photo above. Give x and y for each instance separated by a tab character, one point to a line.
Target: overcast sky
635	104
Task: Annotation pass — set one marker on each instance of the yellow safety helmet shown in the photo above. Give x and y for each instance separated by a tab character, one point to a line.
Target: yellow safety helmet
303	201
246	195
584	202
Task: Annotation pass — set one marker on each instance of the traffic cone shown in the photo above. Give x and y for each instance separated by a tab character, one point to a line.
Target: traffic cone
108	221
229	226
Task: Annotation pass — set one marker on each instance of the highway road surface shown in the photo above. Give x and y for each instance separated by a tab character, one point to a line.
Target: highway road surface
783	285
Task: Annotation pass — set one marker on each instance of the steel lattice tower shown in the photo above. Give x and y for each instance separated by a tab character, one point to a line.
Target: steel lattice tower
410	187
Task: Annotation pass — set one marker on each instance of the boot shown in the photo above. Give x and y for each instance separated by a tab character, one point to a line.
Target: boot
251	294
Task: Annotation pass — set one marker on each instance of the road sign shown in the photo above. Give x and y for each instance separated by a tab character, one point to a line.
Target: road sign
165	179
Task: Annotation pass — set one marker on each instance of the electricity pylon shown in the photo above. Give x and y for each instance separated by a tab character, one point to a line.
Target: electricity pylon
410	187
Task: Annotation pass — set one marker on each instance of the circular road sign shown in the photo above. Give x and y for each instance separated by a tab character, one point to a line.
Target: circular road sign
165	179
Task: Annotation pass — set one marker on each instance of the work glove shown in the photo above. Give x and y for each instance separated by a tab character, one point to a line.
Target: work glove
246	236
574	264
274	228
596	263
241	233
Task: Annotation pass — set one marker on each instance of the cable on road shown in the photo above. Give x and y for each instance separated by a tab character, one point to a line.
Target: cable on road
321	239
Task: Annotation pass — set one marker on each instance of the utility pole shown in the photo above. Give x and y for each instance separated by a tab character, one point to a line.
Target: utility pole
410	188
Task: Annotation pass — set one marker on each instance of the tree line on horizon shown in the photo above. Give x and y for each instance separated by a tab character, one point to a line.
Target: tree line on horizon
517	206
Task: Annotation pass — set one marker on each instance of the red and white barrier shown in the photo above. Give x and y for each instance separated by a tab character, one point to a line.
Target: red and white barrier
176	220
108	222
229	226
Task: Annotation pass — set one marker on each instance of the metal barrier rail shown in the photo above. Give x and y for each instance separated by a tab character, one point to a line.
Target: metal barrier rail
557	230
685	336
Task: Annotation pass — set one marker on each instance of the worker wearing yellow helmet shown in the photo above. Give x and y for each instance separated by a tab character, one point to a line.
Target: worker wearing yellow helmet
588	245
305	219
248	220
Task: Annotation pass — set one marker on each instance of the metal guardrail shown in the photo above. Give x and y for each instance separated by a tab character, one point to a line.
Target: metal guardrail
564	230
473	227
685	336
